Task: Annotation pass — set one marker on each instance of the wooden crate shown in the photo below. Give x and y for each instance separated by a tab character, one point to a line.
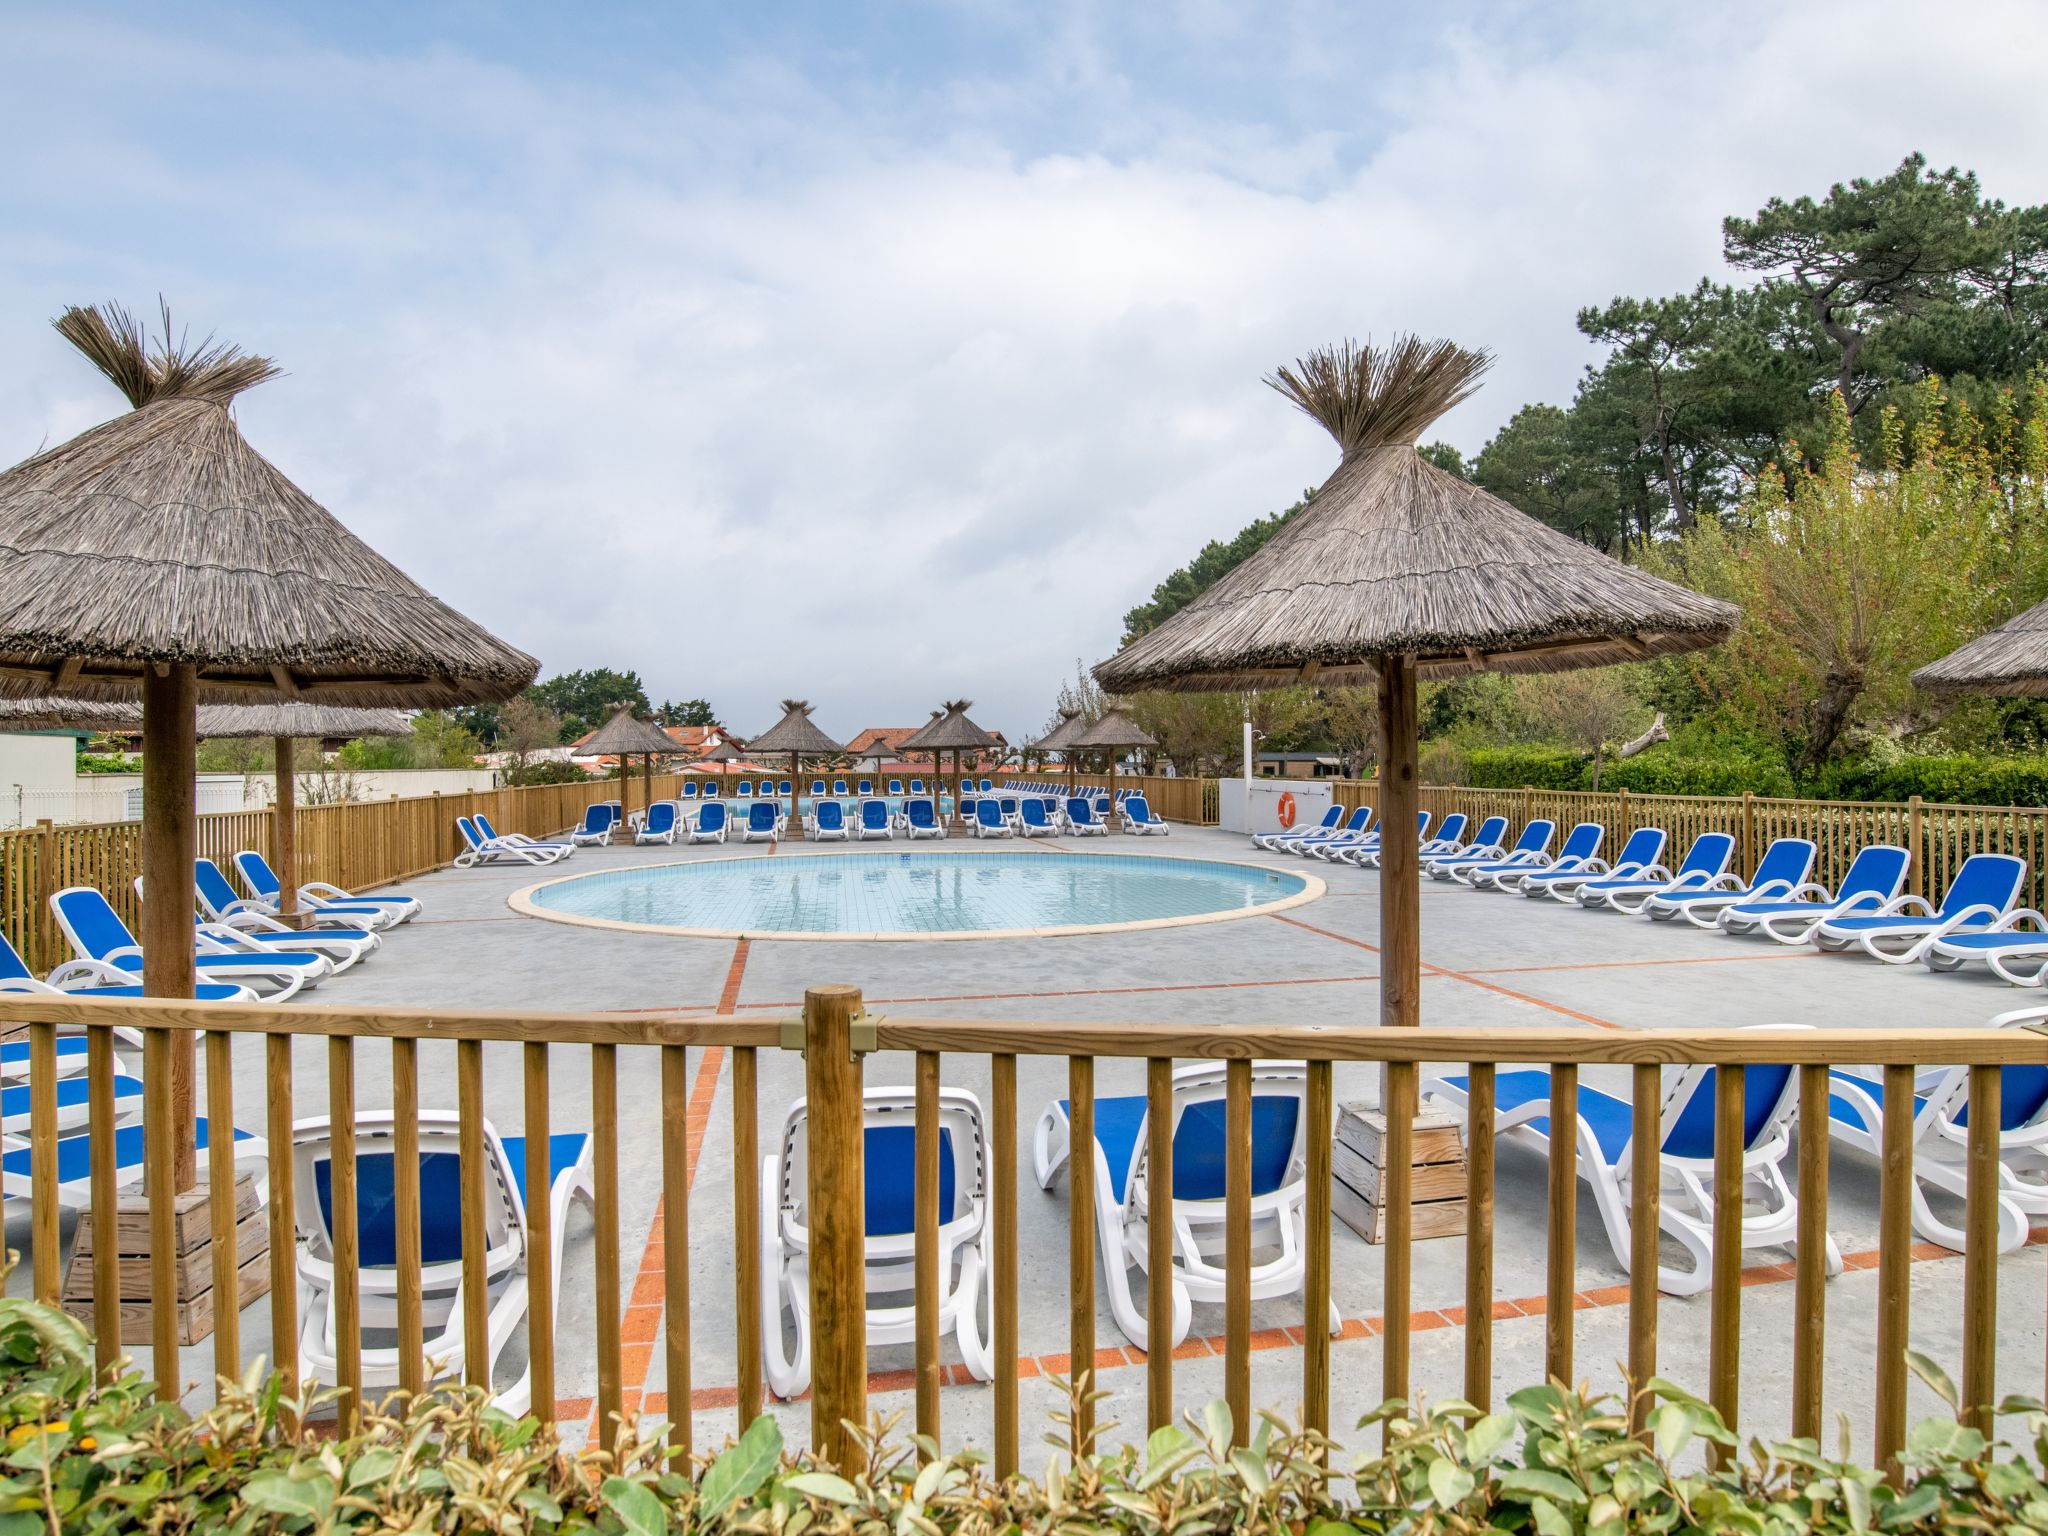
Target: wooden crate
1436	1177
193	1236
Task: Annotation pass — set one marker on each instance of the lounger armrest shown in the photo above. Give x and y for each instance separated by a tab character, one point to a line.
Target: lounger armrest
1652	872
1725	882
27	986
225	940
90	970
1907	906
1813	888
2020	1018
121	953
1770	890
1970	914
2012	920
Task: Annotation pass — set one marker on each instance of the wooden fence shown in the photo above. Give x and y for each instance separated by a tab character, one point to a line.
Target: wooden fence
353	846
1192	801
835	1035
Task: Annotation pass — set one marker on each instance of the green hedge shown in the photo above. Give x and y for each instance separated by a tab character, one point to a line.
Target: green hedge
1656	772
1956	780
76	1457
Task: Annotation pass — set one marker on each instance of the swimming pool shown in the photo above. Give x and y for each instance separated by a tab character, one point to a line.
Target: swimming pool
922	895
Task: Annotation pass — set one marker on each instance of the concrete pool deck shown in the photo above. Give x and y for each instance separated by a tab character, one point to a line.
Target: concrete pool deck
1489	960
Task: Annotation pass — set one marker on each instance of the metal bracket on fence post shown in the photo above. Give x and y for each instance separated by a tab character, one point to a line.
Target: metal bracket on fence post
860	1032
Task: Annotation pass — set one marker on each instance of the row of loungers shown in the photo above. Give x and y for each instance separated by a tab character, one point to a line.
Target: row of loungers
1978	920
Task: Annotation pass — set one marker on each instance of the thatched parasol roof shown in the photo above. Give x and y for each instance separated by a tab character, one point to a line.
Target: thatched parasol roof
2011	659
1115	731
302	721
217	722
794	732
625	734
951	732
1394	556
1061	737
162	536
724	752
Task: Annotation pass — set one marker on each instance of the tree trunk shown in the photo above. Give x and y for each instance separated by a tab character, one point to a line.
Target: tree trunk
1681	510
1647	740
1829	712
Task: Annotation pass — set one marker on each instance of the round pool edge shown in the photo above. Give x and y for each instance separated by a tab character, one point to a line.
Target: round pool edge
522	902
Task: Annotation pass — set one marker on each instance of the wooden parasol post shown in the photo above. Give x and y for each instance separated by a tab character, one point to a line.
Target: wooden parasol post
796	779
284	832
170	845
1400	860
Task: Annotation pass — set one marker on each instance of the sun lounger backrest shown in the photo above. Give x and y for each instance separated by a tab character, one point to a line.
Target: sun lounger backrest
829	815
873	814
890	1178
1452	828
257	874
1708	855
711	818
1986	879
1787	859
1583	842
214	890
1645	845
1877	870
1200	1145
689	790
760	817
1079	811
90	921
1034	813
1536	836
1690	1130
1490	832
377	1208
920	813
660	816
988	813
11	966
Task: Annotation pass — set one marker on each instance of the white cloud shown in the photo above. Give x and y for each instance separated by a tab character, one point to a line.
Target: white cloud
764	383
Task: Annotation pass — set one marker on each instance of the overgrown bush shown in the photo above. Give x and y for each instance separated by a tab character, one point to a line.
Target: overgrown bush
1536	767
1670	773
81	1458
1957	780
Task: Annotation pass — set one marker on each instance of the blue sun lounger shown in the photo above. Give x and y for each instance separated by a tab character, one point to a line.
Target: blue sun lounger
763	823
1781	871
1645	846
1705	862
989	820
1353	830
1367	854
1580	846
328	903
922	820
1984	890
1486	844
96	932
1037	821
1139	818
1279	1120
828	822
598	823
1333	820
1528	852
1450	836
1941	1122
1605	1133
75	1156
1082	820
659	825
90	978
710	826
1875	877
874	820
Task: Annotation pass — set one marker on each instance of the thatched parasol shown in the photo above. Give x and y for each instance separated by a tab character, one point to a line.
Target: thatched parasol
1060	739
1397	569
626	736
795	734
160	554
2011	659
61	714
949	731
1114	733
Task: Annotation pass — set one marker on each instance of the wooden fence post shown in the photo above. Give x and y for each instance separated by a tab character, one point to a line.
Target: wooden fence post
1528	807
41	921
1622	828
834	1205
1746	858
1916	862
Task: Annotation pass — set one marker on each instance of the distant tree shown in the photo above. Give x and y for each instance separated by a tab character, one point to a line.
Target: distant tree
1352	717
369	753
1215	561
583	700
1541	463
1445	457
525	729
689	712
439	741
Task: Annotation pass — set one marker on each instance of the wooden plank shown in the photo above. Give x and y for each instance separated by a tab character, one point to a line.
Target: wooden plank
604	1127
540	1258
284	1280
348	1324
405	1190
106	1274
747	1218
1427	1181
925	1243
1003	1300
134	1274
675	1249
1809	1280
1315	1293
1646	1199
472	1172
220	1174
1479	1100
160	1129
1980	1250
1396	1293
1362	1131
1724	1297
1237	1248
1561	1258
1158	1241
1894	1264
1436	1218
42	1140
1081	1246
188	1321
834	1170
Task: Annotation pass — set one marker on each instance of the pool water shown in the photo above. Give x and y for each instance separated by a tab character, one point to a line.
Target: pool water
923	894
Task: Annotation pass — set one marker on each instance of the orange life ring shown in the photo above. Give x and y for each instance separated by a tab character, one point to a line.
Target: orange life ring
1286	809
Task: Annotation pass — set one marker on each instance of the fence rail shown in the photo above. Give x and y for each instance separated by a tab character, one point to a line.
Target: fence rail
836	1036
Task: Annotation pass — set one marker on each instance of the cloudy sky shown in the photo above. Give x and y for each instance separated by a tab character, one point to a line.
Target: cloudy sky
884	353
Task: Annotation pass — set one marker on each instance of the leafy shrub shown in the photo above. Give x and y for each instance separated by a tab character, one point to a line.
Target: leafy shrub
107	762
547	770
1536	767
80	1457
1658	772
1956	780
